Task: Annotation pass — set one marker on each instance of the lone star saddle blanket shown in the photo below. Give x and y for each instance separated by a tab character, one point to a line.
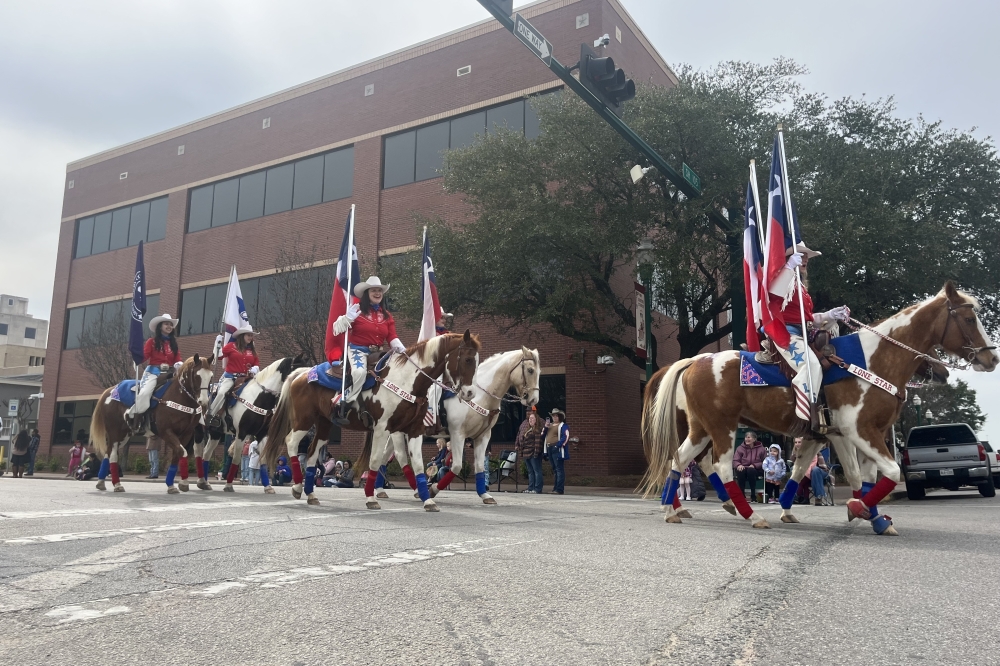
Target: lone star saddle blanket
317	375
125	393
848	348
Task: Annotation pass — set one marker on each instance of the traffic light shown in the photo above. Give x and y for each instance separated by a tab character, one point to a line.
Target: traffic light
608	83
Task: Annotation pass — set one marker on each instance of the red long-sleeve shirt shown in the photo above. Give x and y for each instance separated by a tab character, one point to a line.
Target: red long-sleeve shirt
152	356
375	328
791	315
237	362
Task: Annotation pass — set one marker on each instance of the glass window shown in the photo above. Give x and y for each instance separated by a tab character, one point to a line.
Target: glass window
338	174
84	236
249	289
74	327
102	233
93	318
278	195
509	115
192	311
532	126
432	141
152	310
119	228
268	309
308	182
138	226
399	159
157	219
29	333
200	213
3	329
224	203
251	202
215	301
465	129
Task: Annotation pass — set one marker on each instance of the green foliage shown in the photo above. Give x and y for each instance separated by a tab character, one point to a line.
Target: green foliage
52	464
140	465
949	403
393	469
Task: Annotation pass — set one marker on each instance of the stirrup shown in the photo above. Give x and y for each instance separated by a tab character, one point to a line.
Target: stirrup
819	421
766	355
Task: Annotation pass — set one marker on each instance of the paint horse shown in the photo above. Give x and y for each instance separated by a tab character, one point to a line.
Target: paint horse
474	419
704	394
174	418
396	403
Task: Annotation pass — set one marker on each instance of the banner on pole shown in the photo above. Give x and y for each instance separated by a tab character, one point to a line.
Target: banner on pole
640	320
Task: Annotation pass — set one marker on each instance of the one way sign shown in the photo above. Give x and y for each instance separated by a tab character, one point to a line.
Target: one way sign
533	39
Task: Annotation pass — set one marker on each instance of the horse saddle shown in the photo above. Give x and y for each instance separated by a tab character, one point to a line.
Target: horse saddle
318	374
124	392
236	391
846	349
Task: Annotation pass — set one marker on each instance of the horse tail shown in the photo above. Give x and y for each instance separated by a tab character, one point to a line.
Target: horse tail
366	455
660	436
98	431
281	422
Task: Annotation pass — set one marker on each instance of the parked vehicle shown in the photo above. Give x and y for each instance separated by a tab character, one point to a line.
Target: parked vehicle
994	460
945	456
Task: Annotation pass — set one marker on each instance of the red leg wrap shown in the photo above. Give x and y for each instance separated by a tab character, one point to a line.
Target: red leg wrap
881	490
411	478
370	483
114	473
857	494
296	470
182	467
677	502
739	499
231	474
445	480
198	467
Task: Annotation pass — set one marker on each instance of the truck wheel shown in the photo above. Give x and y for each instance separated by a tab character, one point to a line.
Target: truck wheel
988	489
914	491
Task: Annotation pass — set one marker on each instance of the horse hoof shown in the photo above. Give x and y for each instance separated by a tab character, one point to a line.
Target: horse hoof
858	508
297	494
314	501
172	490
434	490
101	486
382	494
683	513
789	518
229	488
416	495
850	515
730	507
204	485
890	531
183	485
431	506
761	525
269	490
489	500
673	518
119	489
372	504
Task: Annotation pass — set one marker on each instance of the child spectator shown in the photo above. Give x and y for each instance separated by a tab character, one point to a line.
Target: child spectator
774	472
254	463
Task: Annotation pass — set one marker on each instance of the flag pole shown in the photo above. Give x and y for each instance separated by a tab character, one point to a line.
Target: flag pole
761	241
350	290
798	274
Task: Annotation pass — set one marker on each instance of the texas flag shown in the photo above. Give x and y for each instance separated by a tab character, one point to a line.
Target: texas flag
779	238
753	271
235	314
348	275
432	311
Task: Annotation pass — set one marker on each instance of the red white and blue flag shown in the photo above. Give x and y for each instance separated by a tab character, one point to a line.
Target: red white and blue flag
348	275
432	311
753	272
235	314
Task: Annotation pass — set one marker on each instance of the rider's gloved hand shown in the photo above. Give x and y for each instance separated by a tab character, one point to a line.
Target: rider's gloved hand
218	344
177	366
353	311
254	370
840	313
397	346
341	325
794	261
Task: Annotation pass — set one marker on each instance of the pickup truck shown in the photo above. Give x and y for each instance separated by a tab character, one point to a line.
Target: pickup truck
945	456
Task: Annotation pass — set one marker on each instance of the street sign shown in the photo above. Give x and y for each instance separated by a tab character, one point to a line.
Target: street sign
12	407
533	39
690	176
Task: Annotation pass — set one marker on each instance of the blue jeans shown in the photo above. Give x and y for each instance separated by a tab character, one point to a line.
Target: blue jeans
534	474
245	468
558	470
818	478
154	462
254	476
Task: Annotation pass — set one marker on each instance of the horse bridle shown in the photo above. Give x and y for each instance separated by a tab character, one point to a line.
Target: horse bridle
453	388
973	350
524	382
180	383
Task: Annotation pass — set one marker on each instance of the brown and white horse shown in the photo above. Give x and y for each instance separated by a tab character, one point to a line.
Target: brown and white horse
176	417
304	404
703	396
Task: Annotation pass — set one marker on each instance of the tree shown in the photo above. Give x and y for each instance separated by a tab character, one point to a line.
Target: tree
949	403
104	346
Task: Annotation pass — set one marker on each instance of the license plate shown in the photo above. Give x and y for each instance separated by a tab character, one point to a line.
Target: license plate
947	472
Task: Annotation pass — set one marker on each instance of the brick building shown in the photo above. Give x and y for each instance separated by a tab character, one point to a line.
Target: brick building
289	166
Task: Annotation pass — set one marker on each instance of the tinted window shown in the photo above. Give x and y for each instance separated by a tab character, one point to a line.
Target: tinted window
84	236
215	301
29	333
278	194
509	115
267	309
3	329
93	318
119	228
192	311
138	226
249	289
432	141
102	233
157	219
200	215
399	159
465	129
74	327
945	435
338	174
224	204
308	182
152	310
251	203
532	126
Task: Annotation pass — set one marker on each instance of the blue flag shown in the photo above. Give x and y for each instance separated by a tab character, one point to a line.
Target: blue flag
136	336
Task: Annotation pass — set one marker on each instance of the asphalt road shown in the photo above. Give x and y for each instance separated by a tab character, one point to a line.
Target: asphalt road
143	577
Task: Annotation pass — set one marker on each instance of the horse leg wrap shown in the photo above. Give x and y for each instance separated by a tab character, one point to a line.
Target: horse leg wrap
296	470
857	493
788	494
204	469
445	480
676	503
421	482
114	473
720	488
370	484
380	477
739	499
310	480
670	487
410	478
171	473
105	466
264	480
481	486
198	466
231	474
878	493
182	467
867	487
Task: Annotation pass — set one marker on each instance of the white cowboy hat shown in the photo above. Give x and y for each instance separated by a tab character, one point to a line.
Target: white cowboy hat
245	328
371	283
156	321
801	247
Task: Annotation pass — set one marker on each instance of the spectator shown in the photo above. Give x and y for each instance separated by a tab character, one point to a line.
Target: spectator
283	473
747	463
818	472
346	478
529	446
153	451
254	462
88	469
684	491
19	456
774	472
556	439
697	484
32	452
245	460
802	495
75	457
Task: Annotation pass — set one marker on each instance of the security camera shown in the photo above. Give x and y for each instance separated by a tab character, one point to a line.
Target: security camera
638	173
606	360
602	41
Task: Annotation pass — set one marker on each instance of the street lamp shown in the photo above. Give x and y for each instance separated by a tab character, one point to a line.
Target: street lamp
644	255
929	415
916	403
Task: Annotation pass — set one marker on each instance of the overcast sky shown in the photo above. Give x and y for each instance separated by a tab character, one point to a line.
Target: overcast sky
80	77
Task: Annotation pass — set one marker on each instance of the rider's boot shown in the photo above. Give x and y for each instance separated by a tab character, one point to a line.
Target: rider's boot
819	423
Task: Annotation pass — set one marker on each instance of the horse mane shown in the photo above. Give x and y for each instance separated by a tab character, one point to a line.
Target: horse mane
420	349
265	373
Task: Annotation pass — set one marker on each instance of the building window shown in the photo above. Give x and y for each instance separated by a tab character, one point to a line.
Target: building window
305	182
29	334
3	329
105	322
73	421
122	227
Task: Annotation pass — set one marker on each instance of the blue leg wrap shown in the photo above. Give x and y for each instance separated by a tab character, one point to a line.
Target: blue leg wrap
264	480
666	487
310	480
204	465
865	489
788	494
673	480
881	523
720	488
481	486
171	473
105	468
380	479
422	490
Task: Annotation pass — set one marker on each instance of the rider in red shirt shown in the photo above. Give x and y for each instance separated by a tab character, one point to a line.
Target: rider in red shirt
160	350
239	360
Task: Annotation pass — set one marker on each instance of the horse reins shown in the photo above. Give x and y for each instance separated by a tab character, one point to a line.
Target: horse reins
507	397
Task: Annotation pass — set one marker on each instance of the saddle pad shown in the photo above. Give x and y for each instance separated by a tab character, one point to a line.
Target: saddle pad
848	348
236	394
124	393
317	375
